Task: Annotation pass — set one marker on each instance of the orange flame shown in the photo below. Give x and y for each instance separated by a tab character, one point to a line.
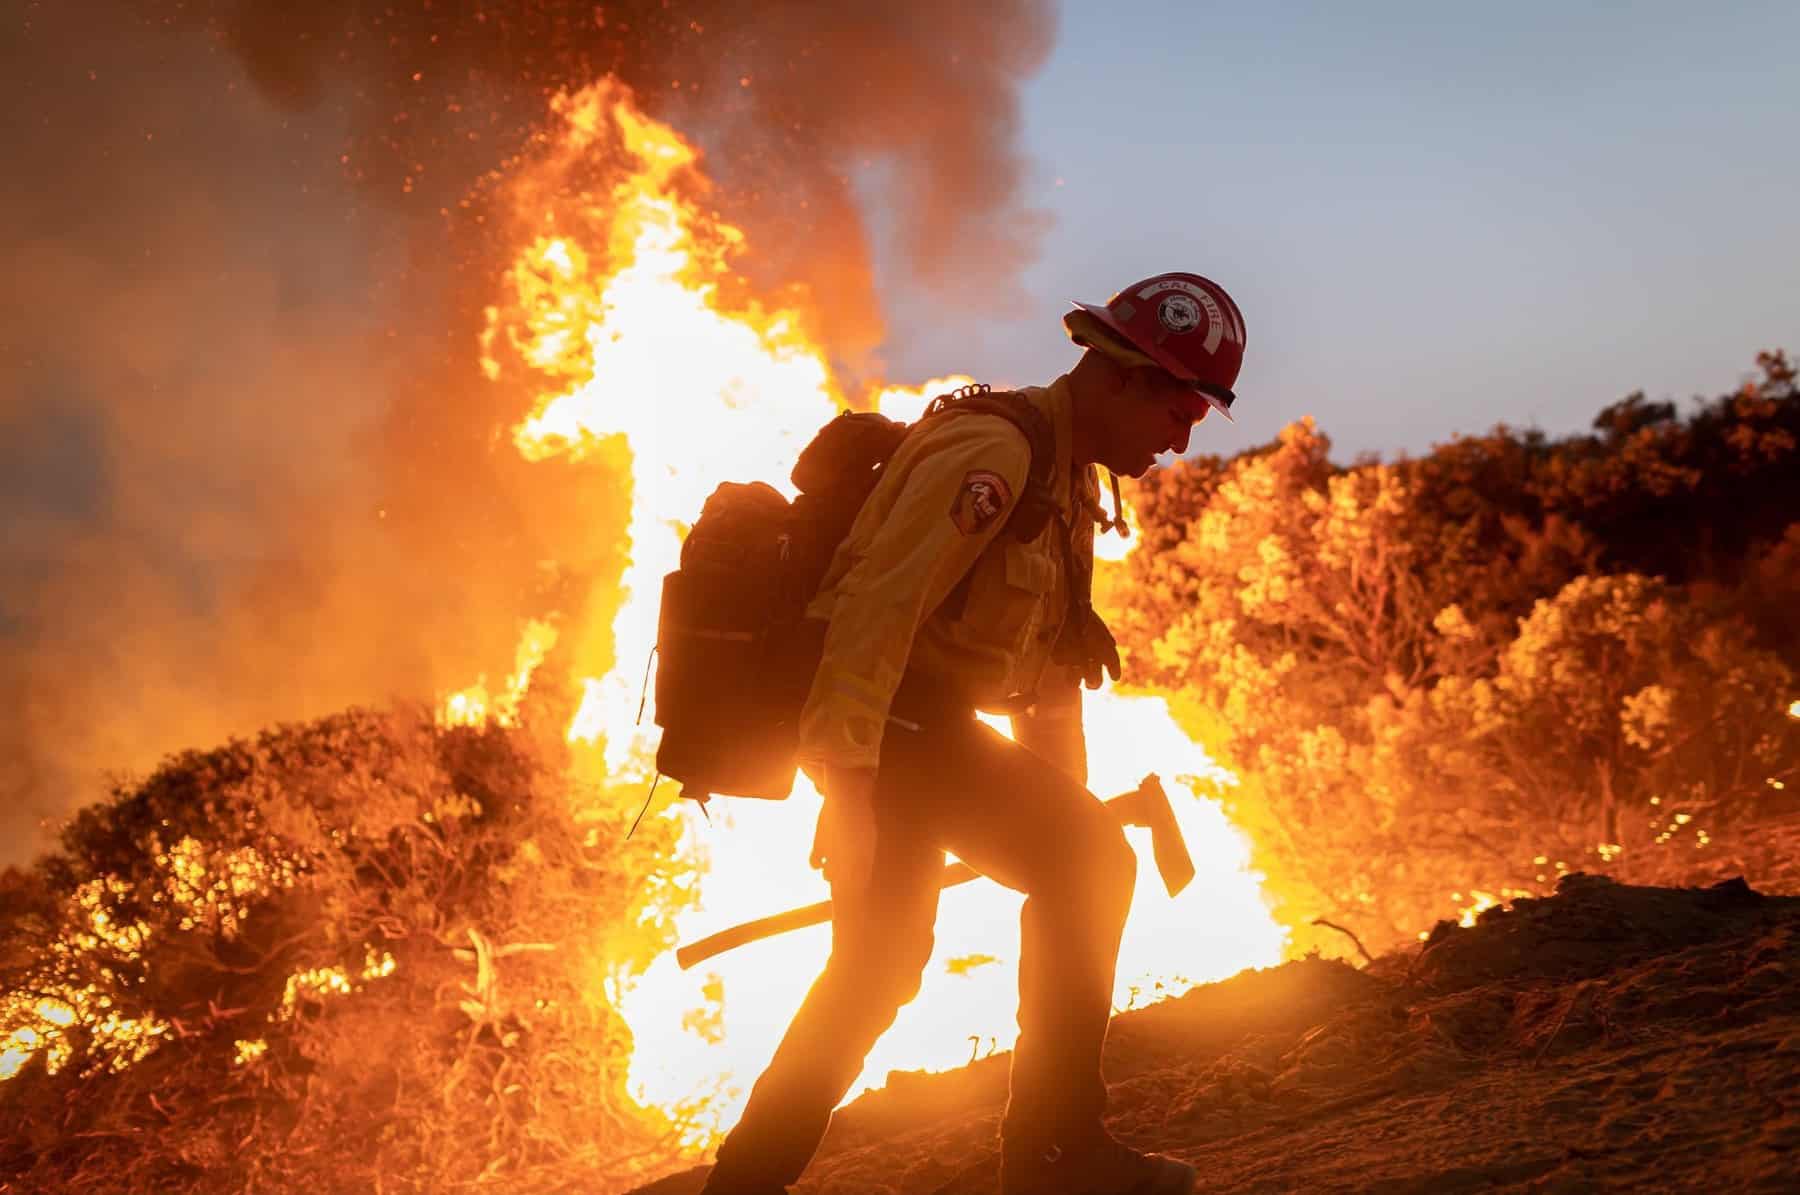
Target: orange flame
474	705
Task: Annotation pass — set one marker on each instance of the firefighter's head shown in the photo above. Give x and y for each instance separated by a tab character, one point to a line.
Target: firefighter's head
1162	353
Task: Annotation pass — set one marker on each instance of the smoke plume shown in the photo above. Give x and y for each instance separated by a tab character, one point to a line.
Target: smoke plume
249	470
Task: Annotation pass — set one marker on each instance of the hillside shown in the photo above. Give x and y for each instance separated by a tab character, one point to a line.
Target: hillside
1607	1037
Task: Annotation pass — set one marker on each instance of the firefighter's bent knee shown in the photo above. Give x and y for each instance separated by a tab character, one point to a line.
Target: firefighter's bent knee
1113	868
885	974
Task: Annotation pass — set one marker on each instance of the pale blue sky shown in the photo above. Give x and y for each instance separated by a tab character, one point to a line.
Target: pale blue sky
1435	216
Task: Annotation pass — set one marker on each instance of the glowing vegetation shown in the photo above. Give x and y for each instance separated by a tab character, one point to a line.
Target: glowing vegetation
1444	682
365	950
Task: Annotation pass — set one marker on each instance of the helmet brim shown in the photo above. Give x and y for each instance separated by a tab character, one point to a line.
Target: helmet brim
1219	399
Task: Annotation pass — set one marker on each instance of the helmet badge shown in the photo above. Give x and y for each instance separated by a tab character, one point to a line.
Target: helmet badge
1178	313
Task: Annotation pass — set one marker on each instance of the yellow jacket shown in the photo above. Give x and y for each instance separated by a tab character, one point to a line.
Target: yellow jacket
939	512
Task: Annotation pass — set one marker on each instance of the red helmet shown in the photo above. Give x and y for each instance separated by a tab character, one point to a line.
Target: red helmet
1186	324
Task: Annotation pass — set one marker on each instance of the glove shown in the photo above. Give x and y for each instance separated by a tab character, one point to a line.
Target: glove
1089	648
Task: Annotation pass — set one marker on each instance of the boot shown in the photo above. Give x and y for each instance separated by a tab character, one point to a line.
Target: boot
1101	1166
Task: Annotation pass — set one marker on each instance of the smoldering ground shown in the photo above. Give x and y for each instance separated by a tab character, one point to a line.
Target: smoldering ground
249	470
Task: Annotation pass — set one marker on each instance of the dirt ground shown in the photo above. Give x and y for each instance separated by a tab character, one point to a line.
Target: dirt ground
1606	1038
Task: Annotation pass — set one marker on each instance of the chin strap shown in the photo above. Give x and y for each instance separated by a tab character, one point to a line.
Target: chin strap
1117	521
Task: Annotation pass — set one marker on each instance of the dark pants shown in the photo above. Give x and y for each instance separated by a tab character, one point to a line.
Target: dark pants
955	785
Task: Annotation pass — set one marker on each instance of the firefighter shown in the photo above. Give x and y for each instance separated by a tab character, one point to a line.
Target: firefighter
934	613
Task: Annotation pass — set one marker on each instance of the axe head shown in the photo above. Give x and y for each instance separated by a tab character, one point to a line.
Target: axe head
1148	806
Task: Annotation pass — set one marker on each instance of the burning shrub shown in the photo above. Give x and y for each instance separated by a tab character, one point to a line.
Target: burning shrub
1291	596
367	950
1444	681
1618	720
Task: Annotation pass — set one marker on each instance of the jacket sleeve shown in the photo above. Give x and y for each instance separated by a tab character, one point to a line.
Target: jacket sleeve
953	501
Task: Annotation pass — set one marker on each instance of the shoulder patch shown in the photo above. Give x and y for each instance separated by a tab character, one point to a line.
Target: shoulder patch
981	500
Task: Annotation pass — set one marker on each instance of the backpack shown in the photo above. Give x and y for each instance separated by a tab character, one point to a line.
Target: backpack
736	652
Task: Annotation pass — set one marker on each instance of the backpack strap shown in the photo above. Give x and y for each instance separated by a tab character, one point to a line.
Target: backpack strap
1037	505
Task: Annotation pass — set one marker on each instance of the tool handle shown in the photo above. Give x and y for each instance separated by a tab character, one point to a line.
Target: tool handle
781	923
